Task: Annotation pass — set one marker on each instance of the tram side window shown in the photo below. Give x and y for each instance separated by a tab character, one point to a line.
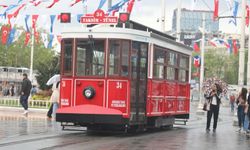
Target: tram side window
159	60
67	56
172	68
184	67
90	57
114	57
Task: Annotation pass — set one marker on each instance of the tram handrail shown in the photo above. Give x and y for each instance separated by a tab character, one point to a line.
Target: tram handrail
14	102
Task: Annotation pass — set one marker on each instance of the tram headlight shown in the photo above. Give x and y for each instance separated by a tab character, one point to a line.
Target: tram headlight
89	92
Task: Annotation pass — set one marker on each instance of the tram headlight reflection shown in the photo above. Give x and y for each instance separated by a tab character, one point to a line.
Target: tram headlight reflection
89	92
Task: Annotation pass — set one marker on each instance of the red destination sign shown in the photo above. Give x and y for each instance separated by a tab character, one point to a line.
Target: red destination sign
99	17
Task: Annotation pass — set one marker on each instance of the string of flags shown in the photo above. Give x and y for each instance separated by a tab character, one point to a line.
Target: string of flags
12	13
231	44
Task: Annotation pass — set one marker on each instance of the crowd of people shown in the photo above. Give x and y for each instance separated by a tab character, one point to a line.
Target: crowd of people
241	101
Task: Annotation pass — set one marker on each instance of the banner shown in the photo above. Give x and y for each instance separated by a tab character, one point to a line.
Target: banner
5	34
216	9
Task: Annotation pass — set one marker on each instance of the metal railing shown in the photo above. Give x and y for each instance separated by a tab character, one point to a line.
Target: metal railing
14	102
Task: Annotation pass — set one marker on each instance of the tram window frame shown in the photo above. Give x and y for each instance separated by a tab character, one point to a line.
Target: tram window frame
119	64
89	66
160	52
68	72
172	63
183	68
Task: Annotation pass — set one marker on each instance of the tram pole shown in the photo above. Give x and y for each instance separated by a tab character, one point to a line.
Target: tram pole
200	111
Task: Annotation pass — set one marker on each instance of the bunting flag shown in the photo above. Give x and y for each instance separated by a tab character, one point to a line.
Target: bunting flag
11	36
17	11
5	34
197	61
35	2
196	47
34	19
9	16
247	17
51	37
79	17
26	22
130	6
216	42
54	2
45	39
27	38
52	19
235	12
235	47
102	2
3	6
75	2
216	9
117	6
8	9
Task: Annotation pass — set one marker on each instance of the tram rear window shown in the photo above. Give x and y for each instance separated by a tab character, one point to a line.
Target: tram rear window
90	57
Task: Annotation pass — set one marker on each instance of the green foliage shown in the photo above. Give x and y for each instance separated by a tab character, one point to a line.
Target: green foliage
18	55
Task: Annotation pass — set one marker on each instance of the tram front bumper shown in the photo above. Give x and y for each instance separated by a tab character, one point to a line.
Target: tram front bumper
89	114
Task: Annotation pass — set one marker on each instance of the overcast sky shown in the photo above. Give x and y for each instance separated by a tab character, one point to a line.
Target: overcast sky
145	11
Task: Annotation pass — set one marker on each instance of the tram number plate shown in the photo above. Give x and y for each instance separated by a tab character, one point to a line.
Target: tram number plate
118	103
64	102
119	85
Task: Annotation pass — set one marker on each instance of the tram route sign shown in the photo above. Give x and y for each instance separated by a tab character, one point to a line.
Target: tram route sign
99	17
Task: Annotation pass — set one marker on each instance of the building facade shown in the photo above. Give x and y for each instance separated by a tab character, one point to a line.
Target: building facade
191	21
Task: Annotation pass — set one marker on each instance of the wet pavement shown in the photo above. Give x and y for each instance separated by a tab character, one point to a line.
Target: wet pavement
36	132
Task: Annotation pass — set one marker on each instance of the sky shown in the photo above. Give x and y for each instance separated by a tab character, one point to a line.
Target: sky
145	11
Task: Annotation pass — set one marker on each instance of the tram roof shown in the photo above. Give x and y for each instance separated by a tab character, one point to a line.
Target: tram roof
132	25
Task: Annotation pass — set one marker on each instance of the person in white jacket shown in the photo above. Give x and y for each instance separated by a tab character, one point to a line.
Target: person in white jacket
55	99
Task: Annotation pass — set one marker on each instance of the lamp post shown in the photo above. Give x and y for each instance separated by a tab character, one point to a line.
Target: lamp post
200	111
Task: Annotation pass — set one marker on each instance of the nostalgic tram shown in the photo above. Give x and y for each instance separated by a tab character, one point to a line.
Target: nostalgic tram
123	78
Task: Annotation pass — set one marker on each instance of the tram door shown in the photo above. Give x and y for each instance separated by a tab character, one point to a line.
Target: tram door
139	62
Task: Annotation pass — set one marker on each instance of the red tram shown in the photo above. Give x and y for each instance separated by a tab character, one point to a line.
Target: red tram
123	78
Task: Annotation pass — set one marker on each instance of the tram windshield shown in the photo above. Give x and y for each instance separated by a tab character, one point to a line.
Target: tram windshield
90	57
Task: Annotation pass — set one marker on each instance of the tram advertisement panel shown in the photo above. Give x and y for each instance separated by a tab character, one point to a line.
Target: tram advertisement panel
118	95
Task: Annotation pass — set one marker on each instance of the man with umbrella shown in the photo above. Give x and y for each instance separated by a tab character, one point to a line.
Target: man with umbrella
25	92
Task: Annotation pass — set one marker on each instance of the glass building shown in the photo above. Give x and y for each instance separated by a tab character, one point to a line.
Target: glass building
190	22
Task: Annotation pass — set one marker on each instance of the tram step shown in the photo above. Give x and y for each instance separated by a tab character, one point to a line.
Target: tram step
181	121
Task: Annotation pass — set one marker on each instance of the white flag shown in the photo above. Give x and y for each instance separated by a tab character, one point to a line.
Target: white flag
45	39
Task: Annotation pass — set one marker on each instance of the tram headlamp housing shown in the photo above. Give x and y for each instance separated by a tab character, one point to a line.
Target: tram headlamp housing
89	92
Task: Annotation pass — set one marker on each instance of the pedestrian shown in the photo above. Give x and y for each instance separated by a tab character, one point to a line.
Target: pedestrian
12	93
241	101
25	92
214	98
247	114
55	99
232	101
33	90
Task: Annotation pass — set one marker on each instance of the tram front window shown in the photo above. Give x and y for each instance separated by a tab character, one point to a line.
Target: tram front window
90	57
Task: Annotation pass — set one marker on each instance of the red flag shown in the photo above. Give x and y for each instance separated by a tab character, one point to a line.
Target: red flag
247	17
216	9
34	19
130	6
196	47
196	61
5	34
9	17
235	48
76	1
54	2
27	38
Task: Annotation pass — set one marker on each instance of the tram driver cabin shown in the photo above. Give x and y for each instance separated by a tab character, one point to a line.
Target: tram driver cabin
124	78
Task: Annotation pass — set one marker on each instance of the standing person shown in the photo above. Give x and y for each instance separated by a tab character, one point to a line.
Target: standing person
232	101
215	100
12	93
246	113
55	99
241	101
25	92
